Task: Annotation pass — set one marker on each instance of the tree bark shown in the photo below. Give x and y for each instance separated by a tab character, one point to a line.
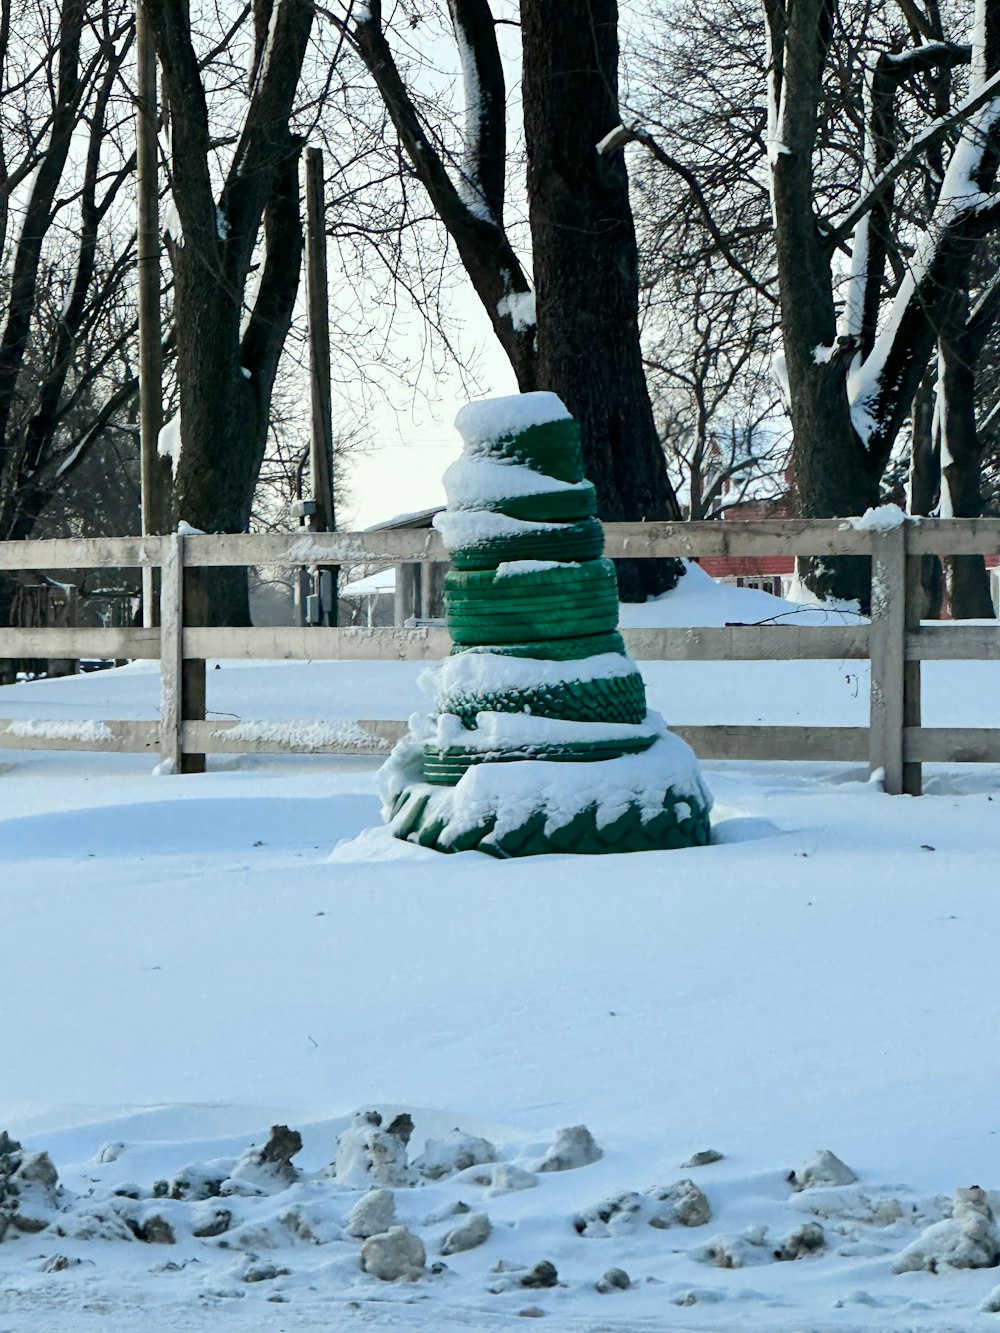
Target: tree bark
473	216
925	488
966	577
225	378
586	266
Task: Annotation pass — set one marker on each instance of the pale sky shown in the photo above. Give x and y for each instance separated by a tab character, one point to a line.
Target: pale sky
414	439
414	444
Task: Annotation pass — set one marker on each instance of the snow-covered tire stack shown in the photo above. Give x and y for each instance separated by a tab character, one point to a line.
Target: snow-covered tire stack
542	741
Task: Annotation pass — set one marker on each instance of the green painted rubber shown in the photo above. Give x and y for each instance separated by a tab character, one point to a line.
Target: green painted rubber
553	650
564	614
609	699
545	603
547	507
564	602
445	767
570	541
561	580
526	628
553	448
633	831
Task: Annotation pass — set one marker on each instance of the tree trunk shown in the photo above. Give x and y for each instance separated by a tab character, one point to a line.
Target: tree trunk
225	372
925	489
966	578
586	266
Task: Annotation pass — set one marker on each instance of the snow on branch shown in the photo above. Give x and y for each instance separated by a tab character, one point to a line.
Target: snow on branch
914	149
485	107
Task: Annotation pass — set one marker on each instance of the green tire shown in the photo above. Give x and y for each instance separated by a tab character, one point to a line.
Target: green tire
634	831
554	650
568	601
546	507
527	627
444	768
562	580
570	541
609	699
552	448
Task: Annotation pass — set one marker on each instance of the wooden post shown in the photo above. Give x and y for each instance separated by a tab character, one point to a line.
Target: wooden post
321	437
406	602
172	654
912	772
888	647
195	604
148	258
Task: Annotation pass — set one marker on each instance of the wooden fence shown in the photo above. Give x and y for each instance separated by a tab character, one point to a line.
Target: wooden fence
895	641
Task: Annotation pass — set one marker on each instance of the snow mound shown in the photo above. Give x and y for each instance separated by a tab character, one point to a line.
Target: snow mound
557	792
967	1239
472	482
491	419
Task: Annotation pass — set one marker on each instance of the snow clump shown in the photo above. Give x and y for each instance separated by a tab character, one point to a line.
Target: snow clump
681	1204
457	1152
368	1154
372	1214
740	1251
823	1168
29	1188
507	1177
967	1239
574	1147
470	1233
266	1170
397	1253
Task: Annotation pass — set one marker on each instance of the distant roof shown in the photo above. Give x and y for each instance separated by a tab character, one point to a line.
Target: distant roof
421	518
382	581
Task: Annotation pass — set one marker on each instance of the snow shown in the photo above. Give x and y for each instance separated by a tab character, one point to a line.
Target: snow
172	229
168	442
190	960
383	580
496	732
308	736
611	140
470	186
493	418
471	482
476	671
62	731
519	308
511	568
883	518
515	791
469	527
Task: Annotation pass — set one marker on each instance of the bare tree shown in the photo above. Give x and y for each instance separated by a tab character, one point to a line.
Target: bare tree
226	361
851	382
580	338
60	78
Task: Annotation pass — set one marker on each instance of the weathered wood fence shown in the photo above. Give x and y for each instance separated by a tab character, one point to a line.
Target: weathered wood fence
895	641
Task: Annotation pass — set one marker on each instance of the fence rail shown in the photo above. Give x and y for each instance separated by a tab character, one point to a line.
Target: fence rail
895	641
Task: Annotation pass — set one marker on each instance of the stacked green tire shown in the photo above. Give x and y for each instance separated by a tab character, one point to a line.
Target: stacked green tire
532	608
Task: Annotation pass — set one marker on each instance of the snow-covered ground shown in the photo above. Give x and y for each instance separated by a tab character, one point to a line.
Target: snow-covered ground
190	960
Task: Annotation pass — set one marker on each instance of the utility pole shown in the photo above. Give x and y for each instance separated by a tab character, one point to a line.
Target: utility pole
150	336
321	436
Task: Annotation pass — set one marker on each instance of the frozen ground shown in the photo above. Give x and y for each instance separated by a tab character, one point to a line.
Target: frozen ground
187	961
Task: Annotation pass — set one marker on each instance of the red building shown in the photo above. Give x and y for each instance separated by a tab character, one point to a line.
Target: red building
772	573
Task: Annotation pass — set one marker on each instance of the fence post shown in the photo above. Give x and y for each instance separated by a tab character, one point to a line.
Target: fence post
913	605
172	652
888	656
